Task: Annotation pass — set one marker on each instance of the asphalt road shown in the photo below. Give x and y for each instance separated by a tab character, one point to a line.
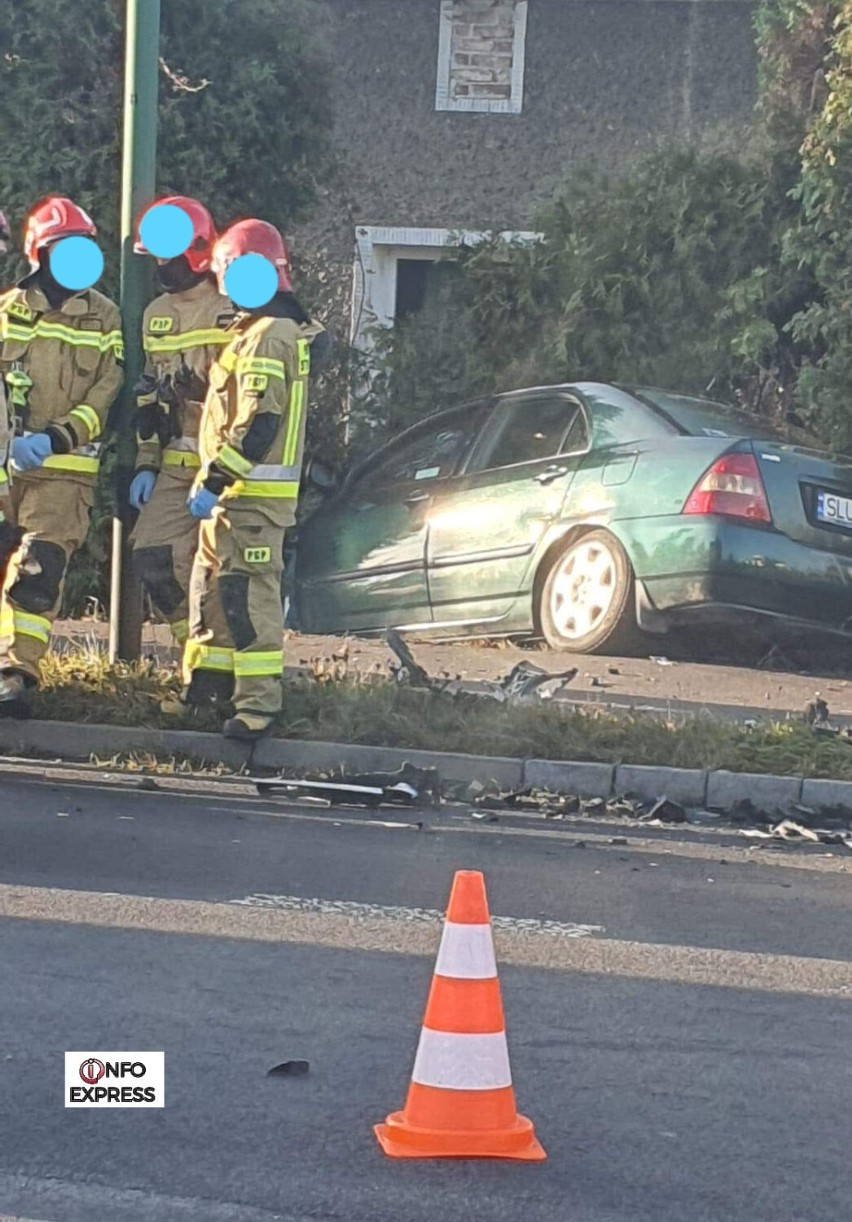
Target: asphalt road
685	1061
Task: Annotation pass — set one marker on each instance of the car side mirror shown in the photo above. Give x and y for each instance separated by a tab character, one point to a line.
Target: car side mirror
322	477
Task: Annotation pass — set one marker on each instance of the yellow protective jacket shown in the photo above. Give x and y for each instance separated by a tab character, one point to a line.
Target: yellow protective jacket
253	424
183	333
62	368
6	432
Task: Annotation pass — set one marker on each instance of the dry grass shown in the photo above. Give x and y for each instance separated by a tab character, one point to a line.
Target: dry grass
82	687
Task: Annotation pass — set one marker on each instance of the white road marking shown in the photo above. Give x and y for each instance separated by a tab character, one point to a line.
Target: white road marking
515	945
431	916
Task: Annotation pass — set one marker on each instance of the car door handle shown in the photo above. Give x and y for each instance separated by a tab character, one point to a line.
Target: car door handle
549	474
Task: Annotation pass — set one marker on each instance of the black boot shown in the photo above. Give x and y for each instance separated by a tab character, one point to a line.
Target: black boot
248	727
207	689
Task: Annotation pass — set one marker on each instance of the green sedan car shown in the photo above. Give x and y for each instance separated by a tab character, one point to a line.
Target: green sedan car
581	514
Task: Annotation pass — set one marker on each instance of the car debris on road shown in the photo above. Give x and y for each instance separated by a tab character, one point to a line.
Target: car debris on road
404	787
665	811
525	682
289	1069
486	801
796	833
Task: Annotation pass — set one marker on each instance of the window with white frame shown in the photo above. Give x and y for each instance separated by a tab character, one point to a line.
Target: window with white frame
481	56
391	271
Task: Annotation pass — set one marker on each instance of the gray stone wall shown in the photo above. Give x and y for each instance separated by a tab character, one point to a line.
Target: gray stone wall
604	81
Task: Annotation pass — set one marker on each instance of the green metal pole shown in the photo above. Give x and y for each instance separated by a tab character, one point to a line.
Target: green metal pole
138	183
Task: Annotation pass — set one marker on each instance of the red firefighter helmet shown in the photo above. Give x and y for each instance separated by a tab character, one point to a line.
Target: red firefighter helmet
51	219
200	251
253	237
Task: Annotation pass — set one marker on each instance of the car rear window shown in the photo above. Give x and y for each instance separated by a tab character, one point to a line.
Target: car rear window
706	418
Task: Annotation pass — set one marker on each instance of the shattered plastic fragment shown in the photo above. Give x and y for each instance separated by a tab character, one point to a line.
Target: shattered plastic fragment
622	806
525	682
844	838
788	830
401	788
594	806
289	1069
667	811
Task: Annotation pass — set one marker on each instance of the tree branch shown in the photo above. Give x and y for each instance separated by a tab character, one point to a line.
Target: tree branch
181	83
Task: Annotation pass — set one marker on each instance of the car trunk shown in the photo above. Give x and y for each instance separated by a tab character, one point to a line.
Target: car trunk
809	494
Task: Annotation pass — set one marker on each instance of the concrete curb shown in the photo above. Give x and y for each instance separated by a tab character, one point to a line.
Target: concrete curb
717	790
685	785
67	741
584	780
766	792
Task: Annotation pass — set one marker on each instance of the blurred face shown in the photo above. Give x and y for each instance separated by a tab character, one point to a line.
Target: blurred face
175	275
74	263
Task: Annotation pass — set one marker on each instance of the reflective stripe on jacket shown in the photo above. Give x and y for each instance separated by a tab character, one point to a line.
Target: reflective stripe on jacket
182	331
264	373
62	368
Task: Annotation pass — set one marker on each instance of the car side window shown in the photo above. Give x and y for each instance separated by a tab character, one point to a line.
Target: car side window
431	451
524	430
577	438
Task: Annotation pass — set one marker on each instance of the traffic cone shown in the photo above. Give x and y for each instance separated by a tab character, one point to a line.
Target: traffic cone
461	1103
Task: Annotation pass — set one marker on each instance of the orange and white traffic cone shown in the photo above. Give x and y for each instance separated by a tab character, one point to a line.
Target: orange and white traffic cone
461	1103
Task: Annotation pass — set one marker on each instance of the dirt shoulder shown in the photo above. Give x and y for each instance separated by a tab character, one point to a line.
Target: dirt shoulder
781	685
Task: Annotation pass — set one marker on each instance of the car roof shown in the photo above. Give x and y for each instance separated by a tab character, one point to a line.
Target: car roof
577	388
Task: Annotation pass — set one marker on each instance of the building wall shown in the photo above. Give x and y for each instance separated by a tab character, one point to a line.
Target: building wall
604	80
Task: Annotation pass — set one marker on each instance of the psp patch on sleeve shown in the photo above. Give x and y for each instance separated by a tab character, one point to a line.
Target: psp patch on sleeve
255	383
20	311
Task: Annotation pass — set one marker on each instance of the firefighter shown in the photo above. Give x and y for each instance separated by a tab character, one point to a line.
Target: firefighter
5	423
251	444
183	330
61	357
10	534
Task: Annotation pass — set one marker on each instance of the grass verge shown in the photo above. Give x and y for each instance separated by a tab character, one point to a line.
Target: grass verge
374	711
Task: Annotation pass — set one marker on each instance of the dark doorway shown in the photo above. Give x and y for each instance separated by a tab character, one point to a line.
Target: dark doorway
412	285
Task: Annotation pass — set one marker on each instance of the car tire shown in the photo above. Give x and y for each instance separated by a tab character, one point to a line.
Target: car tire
587	602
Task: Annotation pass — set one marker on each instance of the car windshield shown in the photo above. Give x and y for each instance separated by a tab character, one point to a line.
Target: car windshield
706	418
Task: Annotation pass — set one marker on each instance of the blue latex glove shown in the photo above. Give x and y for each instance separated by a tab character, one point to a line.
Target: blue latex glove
142	488
30	452
202	503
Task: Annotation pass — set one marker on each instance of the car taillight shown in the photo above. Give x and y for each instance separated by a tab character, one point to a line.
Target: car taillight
732	488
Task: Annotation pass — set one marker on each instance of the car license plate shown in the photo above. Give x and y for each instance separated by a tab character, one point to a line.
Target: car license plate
836	510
